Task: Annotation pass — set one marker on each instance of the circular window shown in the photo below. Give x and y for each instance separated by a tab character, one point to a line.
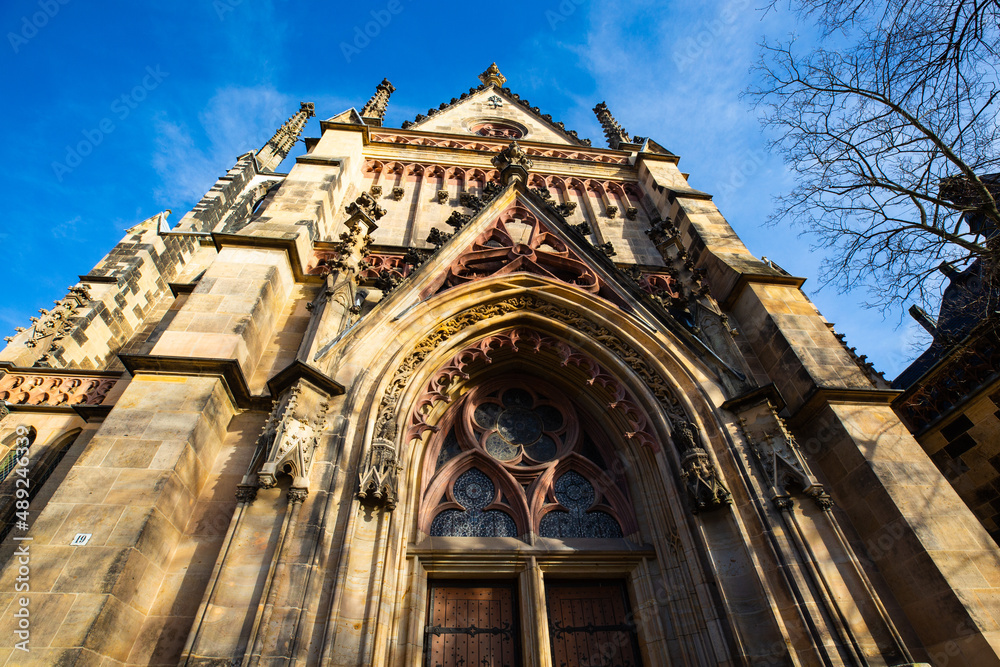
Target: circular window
497	129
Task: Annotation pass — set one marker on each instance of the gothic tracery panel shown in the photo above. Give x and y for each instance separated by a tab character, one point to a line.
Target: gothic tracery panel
514	458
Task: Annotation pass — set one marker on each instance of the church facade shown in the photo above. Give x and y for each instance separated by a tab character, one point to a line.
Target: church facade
471	391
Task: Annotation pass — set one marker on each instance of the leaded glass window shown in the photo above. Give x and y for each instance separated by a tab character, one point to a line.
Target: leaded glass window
473	490
514	457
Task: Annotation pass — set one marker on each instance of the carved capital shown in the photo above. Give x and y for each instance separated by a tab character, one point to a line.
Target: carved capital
783	503
297	495
246	493
512	163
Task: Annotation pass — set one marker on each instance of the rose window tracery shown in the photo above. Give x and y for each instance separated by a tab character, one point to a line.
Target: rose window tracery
512	459
497	129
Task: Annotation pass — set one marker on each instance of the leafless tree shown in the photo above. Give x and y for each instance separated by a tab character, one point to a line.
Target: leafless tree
890	129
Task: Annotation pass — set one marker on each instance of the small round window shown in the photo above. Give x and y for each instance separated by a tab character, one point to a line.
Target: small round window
497	129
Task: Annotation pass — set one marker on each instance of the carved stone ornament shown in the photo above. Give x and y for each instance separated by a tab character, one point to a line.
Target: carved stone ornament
365	204
442	196
376	190
778	457
297	495
377	480
246	493
699	476
291	438
493	75
397	193
512	163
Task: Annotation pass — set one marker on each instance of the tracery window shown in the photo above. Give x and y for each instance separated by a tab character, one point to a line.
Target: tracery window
498	130
511	459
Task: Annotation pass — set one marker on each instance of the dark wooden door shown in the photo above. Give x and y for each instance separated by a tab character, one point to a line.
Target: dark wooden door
590	624
472	625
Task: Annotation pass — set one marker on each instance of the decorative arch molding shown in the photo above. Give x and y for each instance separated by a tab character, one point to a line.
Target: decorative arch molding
523	340
386	423
702	469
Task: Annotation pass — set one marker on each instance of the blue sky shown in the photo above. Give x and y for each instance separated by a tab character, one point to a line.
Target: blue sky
163	97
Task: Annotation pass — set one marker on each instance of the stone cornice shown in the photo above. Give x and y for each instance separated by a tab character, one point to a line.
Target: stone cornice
755	397
298	370
228	370
821	397
268	242
746	279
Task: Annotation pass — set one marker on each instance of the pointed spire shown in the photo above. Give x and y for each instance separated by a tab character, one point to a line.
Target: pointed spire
493	75
274	151
612	130
375	109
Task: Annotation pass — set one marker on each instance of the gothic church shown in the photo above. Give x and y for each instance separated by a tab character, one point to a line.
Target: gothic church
470	391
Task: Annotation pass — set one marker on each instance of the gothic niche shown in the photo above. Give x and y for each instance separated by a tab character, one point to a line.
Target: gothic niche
512	457
497	130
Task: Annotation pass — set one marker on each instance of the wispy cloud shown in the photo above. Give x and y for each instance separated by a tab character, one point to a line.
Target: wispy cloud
234	121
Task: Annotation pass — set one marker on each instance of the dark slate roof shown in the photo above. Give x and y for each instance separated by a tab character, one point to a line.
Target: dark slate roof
962	308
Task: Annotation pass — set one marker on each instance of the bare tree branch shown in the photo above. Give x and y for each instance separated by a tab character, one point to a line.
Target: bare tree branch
893	140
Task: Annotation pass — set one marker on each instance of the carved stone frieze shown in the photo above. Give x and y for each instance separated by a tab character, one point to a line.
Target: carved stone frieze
530	342
51	388
658	386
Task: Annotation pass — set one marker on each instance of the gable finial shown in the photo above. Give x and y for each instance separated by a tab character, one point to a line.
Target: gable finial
376	106
615	133
276	149
493	75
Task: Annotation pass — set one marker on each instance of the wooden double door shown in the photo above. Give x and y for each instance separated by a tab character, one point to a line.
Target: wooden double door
475	624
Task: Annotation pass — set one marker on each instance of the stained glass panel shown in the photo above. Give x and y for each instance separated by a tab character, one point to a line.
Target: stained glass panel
473	490
577	495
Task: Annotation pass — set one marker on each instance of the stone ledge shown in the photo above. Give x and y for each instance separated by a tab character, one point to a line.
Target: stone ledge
298	370
755	397
823	396
746	279
228	370
287	245
181	288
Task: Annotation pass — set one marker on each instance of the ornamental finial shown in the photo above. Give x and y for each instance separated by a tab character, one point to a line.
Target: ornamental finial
513	164
493	75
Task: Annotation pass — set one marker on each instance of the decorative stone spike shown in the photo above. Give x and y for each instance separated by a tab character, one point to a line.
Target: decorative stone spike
376	106
276	149
612	130
492	75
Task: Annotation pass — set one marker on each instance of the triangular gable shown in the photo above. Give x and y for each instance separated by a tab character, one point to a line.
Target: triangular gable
491	105
516	233
517	240
350	116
